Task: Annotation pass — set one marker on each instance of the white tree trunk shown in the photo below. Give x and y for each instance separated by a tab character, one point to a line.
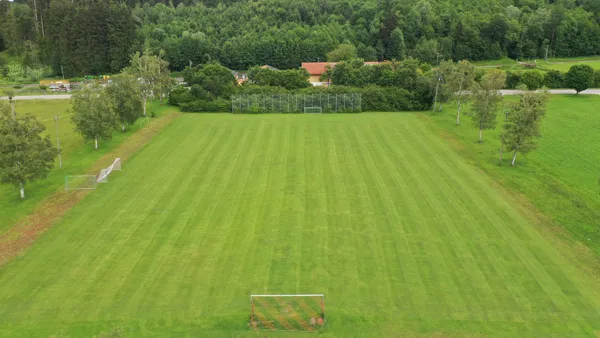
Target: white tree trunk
458	114
123	126
480	135
514	158
96	143
145	100
22	189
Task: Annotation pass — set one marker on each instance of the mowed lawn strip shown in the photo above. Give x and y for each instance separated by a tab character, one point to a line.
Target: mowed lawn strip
402	236
77	157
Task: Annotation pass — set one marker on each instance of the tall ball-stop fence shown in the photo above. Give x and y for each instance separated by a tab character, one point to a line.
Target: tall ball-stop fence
296	103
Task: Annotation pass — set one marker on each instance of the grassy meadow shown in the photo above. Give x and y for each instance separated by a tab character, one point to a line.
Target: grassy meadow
561	178
77	158
376	211
562	64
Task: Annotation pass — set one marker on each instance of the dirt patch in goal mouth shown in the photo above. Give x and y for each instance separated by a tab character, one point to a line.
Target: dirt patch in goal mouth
21	235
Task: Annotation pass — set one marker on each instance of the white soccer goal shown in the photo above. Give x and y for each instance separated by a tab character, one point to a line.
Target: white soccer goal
103	176
300	312
313	110
144	121
80	182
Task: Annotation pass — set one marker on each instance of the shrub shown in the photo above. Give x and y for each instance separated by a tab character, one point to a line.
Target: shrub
597	78
44	88
376	98
180	95
554	79
532	79
18	86
217	105
580	77
252	89
512	79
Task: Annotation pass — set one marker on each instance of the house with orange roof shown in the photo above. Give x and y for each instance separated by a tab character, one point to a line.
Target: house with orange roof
316	69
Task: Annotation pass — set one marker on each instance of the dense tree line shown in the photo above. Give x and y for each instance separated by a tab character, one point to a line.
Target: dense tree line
96	36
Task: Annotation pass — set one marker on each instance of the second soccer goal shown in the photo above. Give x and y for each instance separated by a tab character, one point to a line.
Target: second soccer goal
313	110
287	312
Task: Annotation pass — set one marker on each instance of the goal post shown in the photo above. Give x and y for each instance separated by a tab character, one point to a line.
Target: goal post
80	182
313	110
103	176
292	312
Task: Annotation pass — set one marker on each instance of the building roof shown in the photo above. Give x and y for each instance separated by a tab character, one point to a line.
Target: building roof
318	68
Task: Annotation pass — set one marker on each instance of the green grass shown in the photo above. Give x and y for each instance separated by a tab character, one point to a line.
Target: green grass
77	158
562	177
562	64
401	234
564	67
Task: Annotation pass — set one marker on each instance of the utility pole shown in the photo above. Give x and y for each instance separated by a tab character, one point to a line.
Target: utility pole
503	134
58	141
437	86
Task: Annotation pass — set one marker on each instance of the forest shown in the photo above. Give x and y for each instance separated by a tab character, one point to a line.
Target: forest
98	36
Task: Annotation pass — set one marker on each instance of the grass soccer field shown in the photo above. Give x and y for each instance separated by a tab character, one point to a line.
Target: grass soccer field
375	211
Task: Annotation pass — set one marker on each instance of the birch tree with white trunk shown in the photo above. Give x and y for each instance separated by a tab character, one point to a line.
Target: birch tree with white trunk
125	95
151	71
94	114
25	155
522	129
460	79
486	100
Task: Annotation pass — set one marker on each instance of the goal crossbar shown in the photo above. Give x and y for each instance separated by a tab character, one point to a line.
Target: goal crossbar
294	295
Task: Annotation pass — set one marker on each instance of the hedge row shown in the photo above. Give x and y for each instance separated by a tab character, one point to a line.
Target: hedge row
374	98
534	79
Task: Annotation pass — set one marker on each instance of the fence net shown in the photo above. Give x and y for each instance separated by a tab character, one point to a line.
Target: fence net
295	103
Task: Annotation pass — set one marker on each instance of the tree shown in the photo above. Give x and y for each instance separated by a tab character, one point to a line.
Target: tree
289	79
523	123
93	114
580	77
25	155
486	98
533	80
150	70
125	94
215	79
554	79
397	48
460	81
10	94
343	52
443	87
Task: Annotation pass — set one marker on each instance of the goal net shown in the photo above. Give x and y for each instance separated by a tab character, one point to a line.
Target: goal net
80	182
287	312
313	110
103	176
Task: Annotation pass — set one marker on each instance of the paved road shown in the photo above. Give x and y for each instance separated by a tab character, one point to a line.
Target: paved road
555	91
39	97
504	92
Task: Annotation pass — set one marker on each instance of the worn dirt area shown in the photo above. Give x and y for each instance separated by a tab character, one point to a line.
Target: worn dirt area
16	240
